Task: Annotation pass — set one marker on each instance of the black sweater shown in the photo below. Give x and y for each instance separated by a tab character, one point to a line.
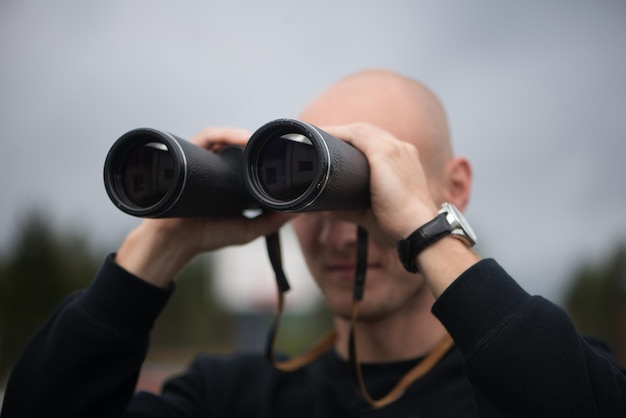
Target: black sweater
514	355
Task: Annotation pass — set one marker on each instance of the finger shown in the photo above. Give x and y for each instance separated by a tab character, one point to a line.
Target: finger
382	149
364	136
215	138
265	224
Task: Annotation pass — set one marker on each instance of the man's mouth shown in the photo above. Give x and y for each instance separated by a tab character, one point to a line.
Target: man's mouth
347	270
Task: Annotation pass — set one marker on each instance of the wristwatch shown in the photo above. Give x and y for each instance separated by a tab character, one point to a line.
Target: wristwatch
449	221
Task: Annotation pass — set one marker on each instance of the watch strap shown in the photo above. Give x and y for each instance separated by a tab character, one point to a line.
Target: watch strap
421	238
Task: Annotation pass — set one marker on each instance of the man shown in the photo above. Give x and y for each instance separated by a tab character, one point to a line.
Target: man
514	355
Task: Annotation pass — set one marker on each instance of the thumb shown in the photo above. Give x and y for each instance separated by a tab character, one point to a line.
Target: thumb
265	224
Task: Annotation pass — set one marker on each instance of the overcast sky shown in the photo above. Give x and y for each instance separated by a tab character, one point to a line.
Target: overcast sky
535	90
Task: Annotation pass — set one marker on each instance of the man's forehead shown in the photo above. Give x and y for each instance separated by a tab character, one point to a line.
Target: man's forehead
399	118
404	107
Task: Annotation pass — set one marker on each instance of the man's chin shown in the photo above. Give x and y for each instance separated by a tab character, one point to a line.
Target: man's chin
364	313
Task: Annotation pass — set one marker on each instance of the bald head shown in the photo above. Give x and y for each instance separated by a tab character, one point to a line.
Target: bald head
402	106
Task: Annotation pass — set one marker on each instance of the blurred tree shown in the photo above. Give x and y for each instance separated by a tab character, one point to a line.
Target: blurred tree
42	266
192	317
596	300
194	320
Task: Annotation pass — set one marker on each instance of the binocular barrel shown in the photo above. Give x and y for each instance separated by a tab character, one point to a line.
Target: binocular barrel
154	174
287	165
293	166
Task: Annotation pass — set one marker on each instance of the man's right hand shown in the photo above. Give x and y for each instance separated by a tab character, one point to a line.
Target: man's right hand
159	248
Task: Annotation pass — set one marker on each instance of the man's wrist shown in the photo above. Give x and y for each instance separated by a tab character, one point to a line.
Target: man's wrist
449	220
440	248
444	261
421	238
150	255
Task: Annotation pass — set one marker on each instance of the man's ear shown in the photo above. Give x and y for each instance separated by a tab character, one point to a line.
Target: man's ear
458	182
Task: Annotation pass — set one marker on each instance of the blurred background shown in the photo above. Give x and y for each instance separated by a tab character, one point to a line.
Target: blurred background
536	97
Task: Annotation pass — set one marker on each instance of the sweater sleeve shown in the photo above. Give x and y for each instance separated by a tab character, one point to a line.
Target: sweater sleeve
523	354
85	359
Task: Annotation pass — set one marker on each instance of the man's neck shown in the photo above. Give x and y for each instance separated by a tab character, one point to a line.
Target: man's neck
407	334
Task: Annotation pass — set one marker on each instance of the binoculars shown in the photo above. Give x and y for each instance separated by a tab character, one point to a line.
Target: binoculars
287	165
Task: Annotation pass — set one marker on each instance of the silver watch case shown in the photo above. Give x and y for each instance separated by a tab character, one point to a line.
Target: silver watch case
460	226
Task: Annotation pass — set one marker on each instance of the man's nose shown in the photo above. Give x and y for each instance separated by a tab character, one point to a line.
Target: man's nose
337	233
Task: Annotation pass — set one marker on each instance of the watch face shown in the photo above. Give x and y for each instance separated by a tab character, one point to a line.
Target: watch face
459	224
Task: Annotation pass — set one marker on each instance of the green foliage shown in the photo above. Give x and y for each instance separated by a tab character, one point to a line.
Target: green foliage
597	299
192	317
194	320
300	332
42	267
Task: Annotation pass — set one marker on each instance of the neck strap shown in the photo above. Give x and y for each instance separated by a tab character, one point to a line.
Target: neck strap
292	364
419	370
275	255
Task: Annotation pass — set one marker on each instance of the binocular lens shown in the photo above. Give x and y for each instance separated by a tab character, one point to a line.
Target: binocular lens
147	174
286	166
292	166
154	174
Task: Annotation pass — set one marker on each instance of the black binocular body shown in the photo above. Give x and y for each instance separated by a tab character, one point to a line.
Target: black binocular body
287	165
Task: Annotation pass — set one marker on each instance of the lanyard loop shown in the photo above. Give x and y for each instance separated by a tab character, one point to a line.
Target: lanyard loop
292	364
419	370
274	251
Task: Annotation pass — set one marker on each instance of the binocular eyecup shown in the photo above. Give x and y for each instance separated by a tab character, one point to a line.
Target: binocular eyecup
287	165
